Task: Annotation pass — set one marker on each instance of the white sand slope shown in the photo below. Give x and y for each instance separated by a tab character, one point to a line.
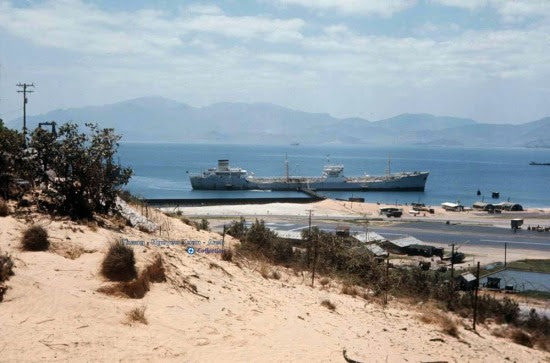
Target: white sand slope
53	311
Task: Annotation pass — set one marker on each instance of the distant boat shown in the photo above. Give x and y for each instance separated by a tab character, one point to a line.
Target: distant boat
535	163
295	143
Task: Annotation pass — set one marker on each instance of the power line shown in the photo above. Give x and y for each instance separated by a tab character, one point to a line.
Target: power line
24	91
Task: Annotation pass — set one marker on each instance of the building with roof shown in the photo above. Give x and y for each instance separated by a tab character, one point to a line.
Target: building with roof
508	206
453	207
368	237
487	207
412	246
467	281
376	250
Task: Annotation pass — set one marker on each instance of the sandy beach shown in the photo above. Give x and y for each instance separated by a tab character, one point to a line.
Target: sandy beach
53	310
339	209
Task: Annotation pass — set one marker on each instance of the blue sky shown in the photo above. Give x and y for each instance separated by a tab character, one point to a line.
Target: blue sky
484	59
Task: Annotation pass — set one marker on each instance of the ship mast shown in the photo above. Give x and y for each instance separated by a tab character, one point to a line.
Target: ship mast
389	165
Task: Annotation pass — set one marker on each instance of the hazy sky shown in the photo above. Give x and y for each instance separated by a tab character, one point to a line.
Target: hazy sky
484	59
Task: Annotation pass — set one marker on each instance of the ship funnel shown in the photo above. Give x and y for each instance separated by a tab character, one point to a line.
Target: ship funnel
223	165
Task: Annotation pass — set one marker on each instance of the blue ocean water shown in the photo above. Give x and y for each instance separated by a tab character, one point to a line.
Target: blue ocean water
161	170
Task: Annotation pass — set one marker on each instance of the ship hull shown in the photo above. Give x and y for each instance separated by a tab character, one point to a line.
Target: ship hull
403	182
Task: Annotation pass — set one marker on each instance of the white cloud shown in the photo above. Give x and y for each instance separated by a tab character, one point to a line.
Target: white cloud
509	10
203	9
218	56
355	7
79	26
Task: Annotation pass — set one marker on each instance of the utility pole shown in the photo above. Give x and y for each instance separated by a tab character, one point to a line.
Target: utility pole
505	251
386	283
24	91
452	282
309	238
475	296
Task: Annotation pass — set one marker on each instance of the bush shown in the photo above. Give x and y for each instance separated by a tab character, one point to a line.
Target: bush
89	178
281	251
204	225
6	268
324	281
237	229
4	208
138	288
227	254
119	263
35	238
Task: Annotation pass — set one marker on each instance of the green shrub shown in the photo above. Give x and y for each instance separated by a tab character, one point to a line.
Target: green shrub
204	225
119	263
35	238
237	229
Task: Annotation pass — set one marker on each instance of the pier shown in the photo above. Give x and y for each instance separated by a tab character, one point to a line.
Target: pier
175	202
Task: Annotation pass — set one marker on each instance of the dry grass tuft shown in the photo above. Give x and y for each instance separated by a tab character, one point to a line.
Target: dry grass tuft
519	336
155	271
499	332
324	281
137	315
227	254
449	327
35	238
276	275
447	324
119	263
4	208
138	288
264	270
350	290
328	304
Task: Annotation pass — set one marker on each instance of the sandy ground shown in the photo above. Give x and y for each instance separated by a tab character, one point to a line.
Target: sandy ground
52	310
339	209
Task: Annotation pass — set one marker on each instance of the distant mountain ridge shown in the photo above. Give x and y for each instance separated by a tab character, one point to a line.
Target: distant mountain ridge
157	119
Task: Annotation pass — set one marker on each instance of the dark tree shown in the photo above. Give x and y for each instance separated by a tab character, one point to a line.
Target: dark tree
11	158
87	178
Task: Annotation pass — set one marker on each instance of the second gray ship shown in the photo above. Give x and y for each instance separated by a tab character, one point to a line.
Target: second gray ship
225	177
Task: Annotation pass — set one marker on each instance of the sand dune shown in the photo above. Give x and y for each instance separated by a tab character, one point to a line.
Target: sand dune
53	311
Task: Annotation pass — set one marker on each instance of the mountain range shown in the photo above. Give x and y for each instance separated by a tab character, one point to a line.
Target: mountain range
157	119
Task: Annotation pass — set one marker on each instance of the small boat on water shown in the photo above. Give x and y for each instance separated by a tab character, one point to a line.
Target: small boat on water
535	163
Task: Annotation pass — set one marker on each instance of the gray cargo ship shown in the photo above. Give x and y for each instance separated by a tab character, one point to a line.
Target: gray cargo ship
225	177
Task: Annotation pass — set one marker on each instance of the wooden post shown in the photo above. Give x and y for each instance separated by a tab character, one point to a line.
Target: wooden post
452	282
223	237
386	284
475	296
505	252
314	261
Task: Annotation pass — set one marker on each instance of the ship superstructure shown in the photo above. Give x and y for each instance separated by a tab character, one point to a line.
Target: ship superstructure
332	179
